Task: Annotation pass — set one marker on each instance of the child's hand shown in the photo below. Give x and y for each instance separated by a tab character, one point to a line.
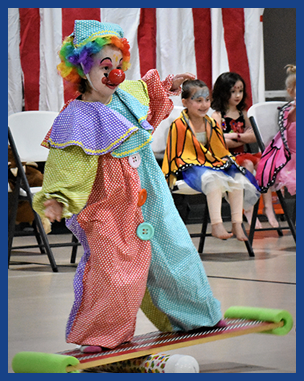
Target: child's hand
179	79
231	136
53	210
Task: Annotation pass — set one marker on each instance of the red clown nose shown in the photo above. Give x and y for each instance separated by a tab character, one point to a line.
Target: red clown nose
116	76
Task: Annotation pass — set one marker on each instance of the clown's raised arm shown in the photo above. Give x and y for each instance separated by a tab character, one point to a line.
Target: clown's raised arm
159	92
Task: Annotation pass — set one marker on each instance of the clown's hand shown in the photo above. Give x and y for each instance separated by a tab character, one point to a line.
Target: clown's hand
179	79
53	210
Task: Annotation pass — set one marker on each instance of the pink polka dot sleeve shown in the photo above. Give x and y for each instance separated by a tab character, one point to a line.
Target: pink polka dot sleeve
159	91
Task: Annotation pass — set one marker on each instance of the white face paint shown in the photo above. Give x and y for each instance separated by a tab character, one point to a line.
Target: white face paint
109	58
201	93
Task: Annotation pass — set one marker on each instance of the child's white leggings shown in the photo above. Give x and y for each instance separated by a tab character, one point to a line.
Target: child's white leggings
214	201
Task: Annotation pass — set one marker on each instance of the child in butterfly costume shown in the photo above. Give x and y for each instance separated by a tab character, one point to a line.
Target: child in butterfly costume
197	154
102	176
277	167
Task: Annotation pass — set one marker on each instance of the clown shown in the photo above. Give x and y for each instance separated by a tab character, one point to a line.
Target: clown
102	177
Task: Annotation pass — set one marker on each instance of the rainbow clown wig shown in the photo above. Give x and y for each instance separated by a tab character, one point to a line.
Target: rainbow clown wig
88	38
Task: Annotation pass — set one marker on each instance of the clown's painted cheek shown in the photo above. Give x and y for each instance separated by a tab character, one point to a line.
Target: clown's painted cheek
105	79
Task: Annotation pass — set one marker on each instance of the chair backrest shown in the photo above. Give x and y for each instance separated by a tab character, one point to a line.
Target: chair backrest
29	129
265	116
160	135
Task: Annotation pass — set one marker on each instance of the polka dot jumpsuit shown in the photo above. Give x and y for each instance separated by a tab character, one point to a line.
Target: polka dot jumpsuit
134	238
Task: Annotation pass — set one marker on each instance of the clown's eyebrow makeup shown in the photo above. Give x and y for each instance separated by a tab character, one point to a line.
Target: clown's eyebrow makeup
102	62
202	93
107	61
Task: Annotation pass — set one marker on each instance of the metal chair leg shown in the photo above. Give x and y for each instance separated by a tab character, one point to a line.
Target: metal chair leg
38	238
253	221
74	250
288	218
45	243
248	243
294	212
204	230
12	218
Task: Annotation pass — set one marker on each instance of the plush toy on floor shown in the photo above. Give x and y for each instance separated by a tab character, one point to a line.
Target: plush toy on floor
34	178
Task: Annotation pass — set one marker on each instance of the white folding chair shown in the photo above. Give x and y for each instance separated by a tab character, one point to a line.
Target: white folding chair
183	189
264	120
26	131
160	135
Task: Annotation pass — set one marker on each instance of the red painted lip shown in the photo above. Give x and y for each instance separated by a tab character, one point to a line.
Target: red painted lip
115	78
106	82
111	85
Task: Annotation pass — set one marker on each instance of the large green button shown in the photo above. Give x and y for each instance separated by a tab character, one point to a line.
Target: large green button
145	231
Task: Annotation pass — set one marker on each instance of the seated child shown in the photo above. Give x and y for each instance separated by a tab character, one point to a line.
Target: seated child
277	167
228	100
197	153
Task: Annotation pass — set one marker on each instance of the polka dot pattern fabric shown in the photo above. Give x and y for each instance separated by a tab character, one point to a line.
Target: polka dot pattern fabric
47	136
63	180
139	110
177	281
135	141
159	91
91	126
117	265
75	228
115	274
88	30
